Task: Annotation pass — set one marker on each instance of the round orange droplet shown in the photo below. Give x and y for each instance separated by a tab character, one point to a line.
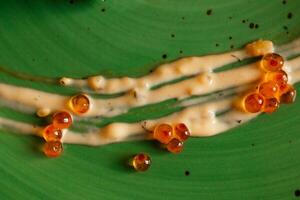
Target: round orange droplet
280	78
141	162
272	62
271	105
181	132
289	96
253	102
175	146
53	149
62	120
268	89
80	103
163	133
50	133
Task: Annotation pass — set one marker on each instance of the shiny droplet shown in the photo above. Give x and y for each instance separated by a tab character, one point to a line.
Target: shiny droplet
141	162
181	132
272	62
163	133
50	133
175	146
53	149
253	102
80	103
62	120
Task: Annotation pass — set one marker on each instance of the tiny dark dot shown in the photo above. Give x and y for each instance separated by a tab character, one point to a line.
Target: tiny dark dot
217	44
151	70
183	18
287	32
244	21
239	121
187	173
290	15
229	17
251	25
253	144
209	12
164	56
71	1
230	37
103	10
180	51
285	28
284	2
88	28
247	20
256	26
33	59
297	193
290	141
232	46
172	35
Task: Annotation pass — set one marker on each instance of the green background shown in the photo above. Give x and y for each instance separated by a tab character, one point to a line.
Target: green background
53	38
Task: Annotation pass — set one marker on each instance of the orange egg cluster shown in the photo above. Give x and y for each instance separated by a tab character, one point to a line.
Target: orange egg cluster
274	88
53	133
171	136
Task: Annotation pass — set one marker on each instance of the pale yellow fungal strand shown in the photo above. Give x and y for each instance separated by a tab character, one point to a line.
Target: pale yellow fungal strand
96	82
260	47
66	81
43	112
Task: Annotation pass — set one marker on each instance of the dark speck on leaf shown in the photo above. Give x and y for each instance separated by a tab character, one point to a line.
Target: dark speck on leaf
284	2
187	173
297	193
103	10
251	25
285	28
164	56
71	1
290	15
180	51
230	37
209	12
256	26
243	21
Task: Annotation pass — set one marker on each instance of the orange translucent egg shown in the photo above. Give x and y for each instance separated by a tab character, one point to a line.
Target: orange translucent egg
181	132
62	120
280	78
50	133
141	162
271	105
253	102
272	62
163	133
80	103
289	95
175	146
53	149
268	89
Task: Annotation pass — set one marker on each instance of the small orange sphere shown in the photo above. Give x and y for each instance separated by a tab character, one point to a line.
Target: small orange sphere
280	78
53	149
289	96
141	162
272	62
80	103
62	120
175	146
181	132
253	102
271	105
268	89
163	133
50	133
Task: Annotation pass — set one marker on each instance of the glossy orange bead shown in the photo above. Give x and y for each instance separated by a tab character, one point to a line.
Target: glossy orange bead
141	162
289	96
163	133
181	132
280	78
272	62
271	105
80	103
62	120
175	146
50	133
253	102
53	149
268	89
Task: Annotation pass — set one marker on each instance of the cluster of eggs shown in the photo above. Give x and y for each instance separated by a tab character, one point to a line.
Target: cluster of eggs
272	90
172	138
78	104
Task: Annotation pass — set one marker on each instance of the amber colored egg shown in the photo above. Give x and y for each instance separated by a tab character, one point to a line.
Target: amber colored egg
175	146
181	132
163	133
80	103
272	62
62	120
141	162
289	96
50	133
53	149
268	89
253	102
271	105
